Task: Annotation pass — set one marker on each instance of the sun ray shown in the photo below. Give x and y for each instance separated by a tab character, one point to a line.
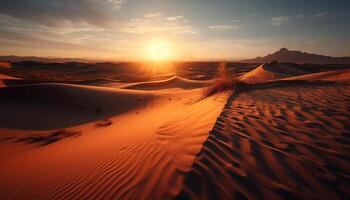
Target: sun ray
159	50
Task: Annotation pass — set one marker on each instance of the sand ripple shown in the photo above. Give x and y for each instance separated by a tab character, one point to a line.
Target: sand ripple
277	143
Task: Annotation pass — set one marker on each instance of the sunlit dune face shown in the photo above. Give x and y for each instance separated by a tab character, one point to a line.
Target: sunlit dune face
159	50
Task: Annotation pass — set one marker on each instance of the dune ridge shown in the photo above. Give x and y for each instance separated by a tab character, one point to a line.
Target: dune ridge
142	150
334	75
276	143
270	71
48	101
4	78
5	64
276	138
173	82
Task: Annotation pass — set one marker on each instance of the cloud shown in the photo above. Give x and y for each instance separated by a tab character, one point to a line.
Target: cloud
22	34
300	16
54	13
174	18
153	15
321	14
224	27
146	24
235	20
279	20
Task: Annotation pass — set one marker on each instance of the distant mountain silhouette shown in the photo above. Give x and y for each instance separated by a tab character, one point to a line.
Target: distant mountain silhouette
12	58
284	55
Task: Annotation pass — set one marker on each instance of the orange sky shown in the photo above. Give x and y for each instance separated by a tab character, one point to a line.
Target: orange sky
192	30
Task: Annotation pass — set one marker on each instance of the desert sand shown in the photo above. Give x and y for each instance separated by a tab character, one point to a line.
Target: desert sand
164	140
269	72
3	79
278	140
276	143
101	143
5	64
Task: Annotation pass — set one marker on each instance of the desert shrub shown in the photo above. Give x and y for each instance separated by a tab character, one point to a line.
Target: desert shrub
224	81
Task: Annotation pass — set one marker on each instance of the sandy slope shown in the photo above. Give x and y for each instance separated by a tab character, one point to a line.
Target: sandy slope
150	140
138	145
50	106
5	64
174	83
270	71
5	77
336	75
277	143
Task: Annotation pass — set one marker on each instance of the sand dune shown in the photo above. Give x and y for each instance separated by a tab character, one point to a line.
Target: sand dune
336	75
49	103
62	105
171	83
138	147
4	77
162	140
5	64
271	71
278	143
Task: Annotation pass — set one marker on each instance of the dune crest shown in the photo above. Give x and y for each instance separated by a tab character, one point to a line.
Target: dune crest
139	146
173	82
334	75
5	64
281	134
47	104
4	78
276	143
269	72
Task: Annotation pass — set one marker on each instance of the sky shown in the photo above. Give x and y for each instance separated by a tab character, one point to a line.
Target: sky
192	29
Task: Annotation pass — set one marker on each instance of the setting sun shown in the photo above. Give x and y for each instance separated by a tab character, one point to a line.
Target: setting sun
159	50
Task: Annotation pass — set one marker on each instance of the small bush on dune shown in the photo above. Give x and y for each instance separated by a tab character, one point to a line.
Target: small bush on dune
224	81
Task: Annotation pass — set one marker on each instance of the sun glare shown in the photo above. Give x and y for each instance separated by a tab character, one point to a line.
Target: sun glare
159	50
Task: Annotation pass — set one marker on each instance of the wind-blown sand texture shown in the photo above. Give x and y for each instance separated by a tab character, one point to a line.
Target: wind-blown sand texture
284	135
172	83
270	71
277	143
113	144
336	75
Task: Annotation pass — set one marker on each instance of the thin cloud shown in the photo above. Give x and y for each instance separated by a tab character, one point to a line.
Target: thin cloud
174	18
153	15
321	14
116	3
147	24
224	27
277	21
56	13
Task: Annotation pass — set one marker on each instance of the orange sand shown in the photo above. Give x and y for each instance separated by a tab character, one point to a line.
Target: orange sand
155	140
138	146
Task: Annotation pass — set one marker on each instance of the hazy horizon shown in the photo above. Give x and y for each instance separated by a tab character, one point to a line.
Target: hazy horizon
180	30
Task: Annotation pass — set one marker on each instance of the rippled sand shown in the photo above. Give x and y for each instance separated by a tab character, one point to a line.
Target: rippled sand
277	143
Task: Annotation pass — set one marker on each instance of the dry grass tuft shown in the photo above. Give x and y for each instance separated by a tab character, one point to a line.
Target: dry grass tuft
224	81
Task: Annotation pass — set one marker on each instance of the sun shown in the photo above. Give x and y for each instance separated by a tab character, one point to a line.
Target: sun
159	50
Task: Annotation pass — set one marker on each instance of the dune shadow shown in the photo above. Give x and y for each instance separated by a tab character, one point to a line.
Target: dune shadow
59	106
103	123
276	140
43	140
